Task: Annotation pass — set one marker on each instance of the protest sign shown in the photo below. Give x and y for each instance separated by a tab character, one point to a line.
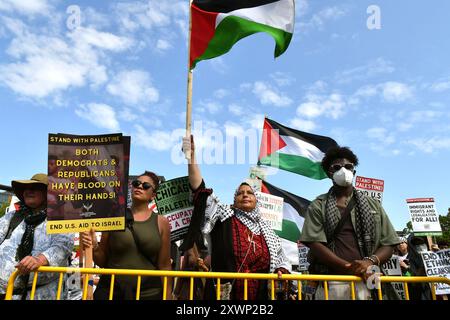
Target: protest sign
256	184
172	201
87	182
303	257
437	264
271	208
258	173
392	268
424	218
370	187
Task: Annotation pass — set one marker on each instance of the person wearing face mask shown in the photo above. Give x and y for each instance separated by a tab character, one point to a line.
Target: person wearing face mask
347	232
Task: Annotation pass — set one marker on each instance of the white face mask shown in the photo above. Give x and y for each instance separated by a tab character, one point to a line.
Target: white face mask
343	177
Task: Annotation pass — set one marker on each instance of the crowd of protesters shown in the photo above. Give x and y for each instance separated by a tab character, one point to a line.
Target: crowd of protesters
347	234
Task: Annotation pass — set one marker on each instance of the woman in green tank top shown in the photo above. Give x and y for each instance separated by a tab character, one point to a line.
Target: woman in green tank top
144	245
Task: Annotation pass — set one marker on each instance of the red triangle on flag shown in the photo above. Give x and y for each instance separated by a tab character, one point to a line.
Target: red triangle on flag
270	142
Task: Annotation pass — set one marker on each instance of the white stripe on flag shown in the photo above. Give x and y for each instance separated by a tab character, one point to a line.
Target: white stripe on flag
297	147
290	250
289	213
276	14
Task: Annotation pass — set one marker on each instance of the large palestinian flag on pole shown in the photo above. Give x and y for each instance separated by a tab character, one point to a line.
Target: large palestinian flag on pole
294	209
216	25
292	150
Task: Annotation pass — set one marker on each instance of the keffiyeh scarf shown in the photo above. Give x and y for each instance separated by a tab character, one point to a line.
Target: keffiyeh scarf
365	224
253	221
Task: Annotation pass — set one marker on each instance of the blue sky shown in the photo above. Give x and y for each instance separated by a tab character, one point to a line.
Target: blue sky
122	68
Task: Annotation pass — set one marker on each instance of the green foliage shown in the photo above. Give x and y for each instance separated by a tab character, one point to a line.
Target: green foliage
3	208
445	225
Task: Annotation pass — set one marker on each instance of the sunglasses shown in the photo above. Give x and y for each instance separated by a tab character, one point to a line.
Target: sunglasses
337	167
145	185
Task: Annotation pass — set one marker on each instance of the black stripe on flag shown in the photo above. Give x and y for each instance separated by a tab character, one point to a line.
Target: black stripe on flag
298	203
225	6
321	142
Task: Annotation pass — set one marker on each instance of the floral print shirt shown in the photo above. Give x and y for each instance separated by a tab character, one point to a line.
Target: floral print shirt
57	248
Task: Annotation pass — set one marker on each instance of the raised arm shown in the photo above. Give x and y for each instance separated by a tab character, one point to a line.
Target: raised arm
195	176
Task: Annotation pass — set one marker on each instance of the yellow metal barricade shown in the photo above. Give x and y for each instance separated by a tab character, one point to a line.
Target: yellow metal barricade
218	276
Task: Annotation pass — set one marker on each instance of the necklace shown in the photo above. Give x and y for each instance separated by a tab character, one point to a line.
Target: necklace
252	242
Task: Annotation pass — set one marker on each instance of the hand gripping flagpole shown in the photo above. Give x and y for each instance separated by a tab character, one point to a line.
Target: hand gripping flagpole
189	88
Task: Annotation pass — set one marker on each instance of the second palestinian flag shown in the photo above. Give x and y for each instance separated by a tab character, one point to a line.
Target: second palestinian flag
294	209
218	24
293	150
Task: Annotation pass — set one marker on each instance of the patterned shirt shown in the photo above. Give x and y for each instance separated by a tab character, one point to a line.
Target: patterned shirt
252	256
57	248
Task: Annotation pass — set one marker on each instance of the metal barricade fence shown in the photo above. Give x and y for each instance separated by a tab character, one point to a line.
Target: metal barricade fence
218	276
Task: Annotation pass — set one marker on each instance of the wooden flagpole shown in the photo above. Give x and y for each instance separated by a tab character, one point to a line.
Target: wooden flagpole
189	85
86	261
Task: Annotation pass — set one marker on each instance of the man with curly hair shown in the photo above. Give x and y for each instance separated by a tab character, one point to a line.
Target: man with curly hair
346	231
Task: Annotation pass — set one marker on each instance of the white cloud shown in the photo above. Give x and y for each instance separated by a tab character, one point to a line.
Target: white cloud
94	19
396	92
101	40
100	115
156	140
419	116
331	106
134	87
430	145
381	134
163	45
160	16
127	115
373	68
255	120
46	65
321	18
301	8
236	109
234	129
440	86
391	91
269	96
218	64
303	125
26	7
221	93
211	107
282	79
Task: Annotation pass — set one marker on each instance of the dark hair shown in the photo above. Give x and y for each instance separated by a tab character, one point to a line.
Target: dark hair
338	153
152	176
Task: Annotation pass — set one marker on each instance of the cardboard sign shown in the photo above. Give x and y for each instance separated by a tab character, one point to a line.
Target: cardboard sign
392	268
371	187
173	201
437	264
424	218
87	182
271	209
303	257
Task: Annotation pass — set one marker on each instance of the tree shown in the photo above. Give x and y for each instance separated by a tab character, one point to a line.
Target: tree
445	226
3	208
408	228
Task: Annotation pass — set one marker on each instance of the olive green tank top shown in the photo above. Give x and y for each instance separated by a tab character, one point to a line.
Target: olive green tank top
124	254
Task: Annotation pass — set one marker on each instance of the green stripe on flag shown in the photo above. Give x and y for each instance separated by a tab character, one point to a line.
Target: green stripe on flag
290	231
231	29
296	164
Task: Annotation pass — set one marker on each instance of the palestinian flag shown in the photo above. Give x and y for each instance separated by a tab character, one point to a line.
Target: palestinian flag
218	24
293	150
294	209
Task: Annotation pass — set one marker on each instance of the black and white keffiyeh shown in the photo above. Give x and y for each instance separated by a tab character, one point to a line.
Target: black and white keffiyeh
365	224
252	220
